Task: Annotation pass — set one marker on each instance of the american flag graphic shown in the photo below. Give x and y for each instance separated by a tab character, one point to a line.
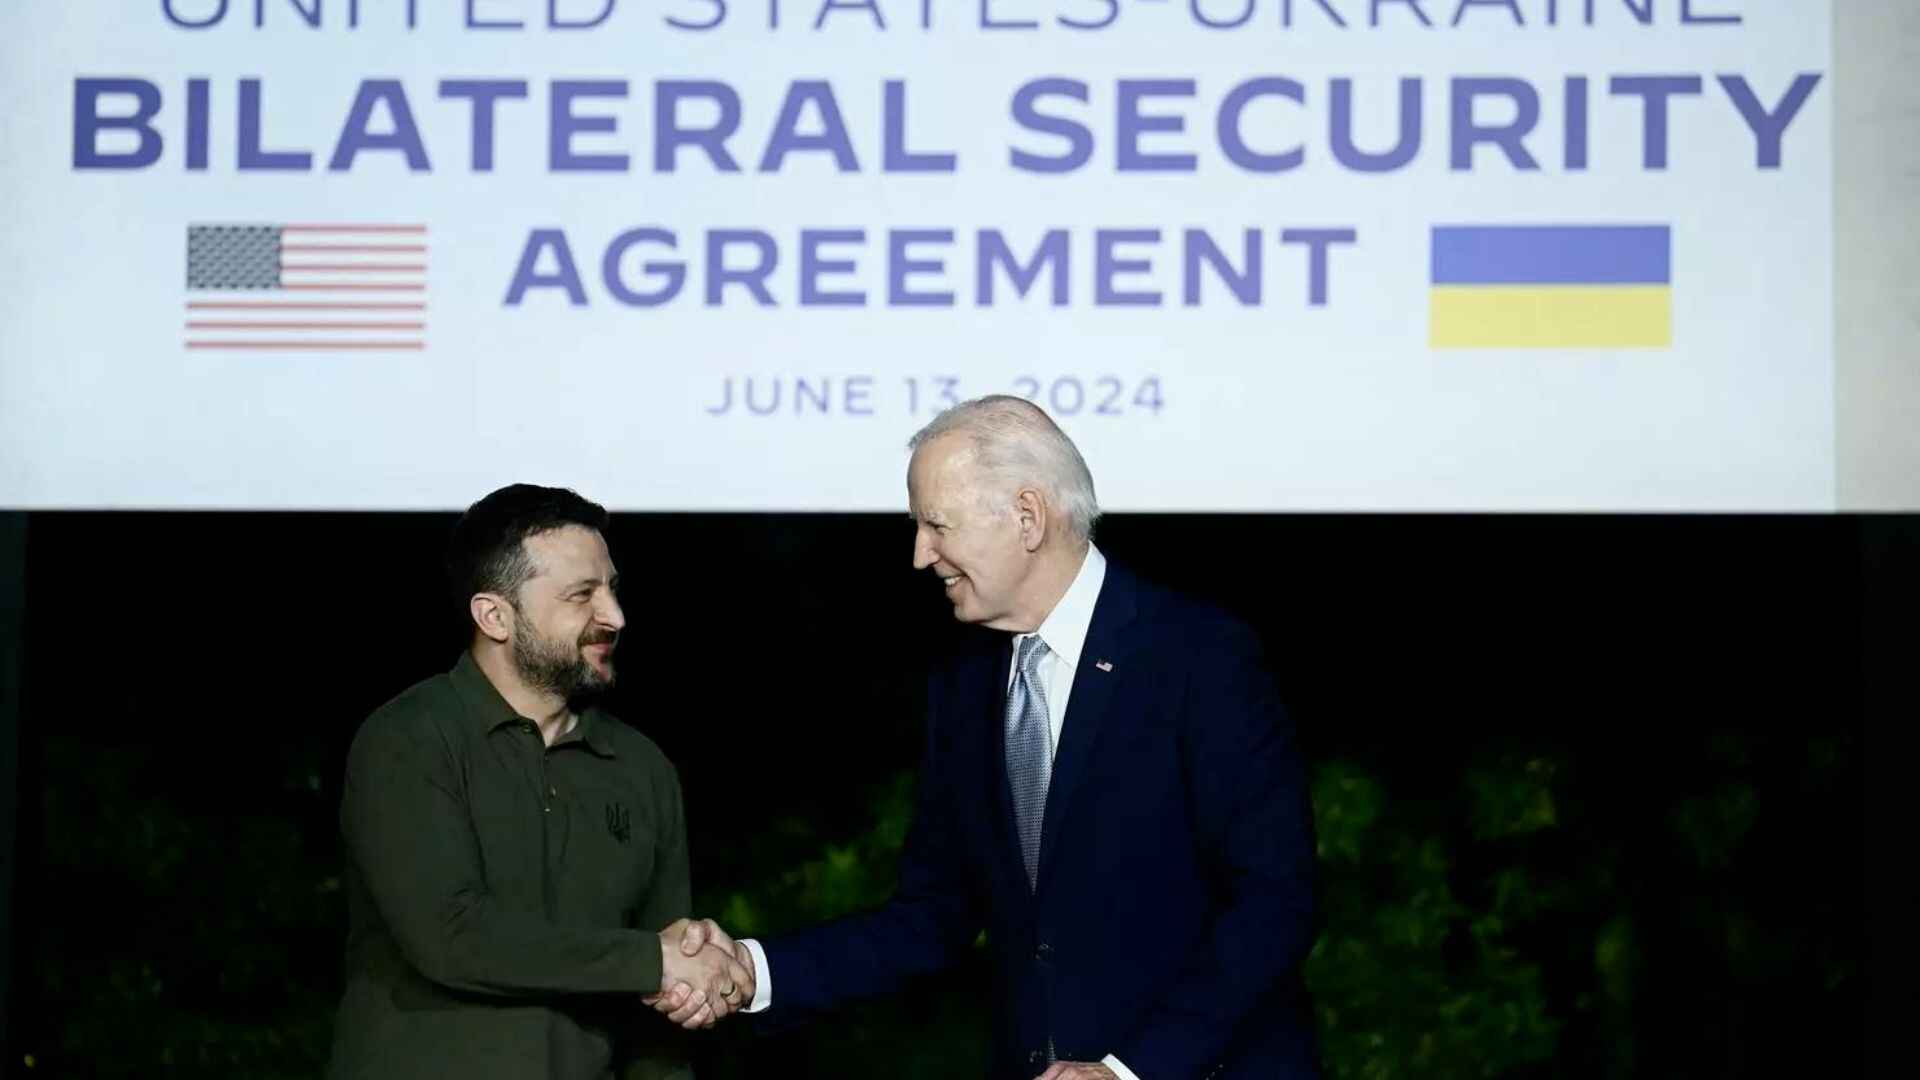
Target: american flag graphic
276	288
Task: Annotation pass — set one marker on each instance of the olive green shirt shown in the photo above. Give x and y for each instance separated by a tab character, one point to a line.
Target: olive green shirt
505	897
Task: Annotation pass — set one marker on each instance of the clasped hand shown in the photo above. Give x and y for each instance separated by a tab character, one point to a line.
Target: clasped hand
704	974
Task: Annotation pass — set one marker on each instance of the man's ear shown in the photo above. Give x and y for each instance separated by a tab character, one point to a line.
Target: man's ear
1030	510
492	615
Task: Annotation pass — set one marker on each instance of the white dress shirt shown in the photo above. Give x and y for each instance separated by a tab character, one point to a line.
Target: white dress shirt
1065	632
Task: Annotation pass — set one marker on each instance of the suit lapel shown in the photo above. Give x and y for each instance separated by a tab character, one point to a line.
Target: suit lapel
1091	705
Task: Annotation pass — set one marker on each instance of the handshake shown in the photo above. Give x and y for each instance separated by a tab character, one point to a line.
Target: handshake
704	974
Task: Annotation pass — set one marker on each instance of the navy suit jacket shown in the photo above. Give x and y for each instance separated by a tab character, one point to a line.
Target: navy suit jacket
1174	903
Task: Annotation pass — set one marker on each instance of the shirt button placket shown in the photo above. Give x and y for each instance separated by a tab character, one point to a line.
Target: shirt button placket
546	804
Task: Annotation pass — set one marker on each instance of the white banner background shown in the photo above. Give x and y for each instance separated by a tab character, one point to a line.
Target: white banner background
1283	405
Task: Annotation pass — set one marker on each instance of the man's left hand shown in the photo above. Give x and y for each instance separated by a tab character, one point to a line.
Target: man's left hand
1077	1070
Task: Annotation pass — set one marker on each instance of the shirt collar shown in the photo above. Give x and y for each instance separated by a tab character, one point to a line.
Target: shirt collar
591	730
489	710
1065	627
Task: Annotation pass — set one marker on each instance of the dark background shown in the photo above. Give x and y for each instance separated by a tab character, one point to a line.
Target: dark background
1590	792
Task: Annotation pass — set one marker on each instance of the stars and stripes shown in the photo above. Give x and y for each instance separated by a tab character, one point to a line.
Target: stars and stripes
307	287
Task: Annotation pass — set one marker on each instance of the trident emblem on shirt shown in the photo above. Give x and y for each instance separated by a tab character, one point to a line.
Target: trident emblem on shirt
619	823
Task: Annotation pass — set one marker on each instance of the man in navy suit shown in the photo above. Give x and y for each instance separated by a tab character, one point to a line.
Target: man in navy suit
1110	789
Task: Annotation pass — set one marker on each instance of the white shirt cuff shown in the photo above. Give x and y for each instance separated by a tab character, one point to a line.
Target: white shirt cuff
1110	1062
763	985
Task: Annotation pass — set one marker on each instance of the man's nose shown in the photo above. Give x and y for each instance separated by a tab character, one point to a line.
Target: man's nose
923	553
610	613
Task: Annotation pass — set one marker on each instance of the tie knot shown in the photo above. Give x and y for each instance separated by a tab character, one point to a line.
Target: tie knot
1032	651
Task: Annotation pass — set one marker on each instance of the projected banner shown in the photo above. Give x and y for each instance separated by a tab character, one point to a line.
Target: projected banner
729	254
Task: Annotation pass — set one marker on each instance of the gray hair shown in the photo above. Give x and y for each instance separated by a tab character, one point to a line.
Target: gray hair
1016	442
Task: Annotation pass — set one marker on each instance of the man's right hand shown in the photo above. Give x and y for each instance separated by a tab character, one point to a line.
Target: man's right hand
704	976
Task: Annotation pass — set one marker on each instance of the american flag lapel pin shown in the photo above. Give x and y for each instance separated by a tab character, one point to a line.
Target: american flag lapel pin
1103	665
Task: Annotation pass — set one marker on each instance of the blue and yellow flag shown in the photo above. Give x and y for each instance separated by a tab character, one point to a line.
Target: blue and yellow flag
1551	286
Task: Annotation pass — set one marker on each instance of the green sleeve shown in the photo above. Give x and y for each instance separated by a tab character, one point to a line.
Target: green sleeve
653	1048
670	895
407	829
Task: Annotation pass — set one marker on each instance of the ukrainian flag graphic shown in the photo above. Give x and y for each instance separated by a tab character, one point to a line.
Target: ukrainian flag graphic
1551	286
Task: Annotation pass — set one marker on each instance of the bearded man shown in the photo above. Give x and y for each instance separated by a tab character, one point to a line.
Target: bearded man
517	873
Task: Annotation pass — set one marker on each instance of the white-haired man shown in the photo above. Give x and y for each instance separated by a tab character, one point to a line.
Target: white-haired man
1110	789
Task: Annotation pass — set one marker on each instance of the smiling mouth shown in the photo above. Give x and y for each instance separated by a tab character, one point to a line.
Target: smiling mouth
950	582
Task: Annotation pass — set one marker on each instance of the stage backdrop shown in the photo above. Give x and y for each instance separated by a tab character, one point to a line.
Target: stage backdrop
728	254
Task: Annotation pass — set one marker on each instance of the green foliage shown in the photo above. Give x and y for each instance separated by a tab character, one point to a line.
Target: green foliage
1346	803
842	878
939	1030
1514	799
1519	912
1713	825
1409	979
184	938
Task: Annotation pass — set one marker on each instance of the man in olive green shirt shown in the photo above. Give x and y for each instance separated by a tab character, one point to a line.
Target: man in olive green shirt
517	858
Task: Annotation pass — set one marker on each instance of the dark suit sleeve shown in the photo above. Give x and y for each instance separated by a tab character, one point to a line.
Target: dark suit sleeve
1248	790
934	913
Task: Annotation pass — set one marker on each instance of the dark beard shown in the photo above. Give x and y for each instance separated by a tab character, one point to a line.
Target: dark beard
551	667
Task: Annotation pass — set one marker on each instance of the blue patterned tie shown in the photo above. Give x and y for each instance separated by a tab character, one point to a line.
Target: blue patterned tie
1029	751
